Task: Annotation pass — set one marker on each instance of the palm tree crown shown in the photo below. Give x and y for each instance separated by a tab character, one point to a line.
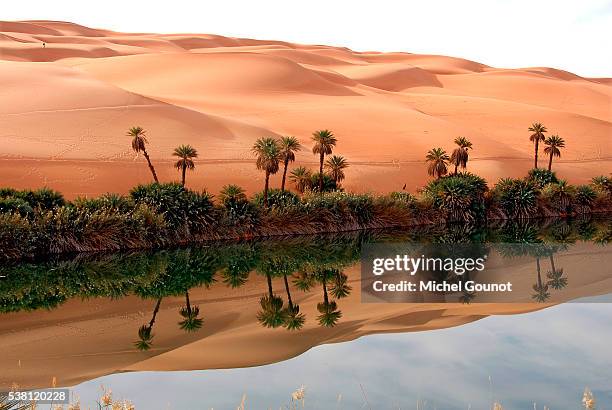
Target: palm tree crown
438	160
460	155
268	154
139	138
185	153
538	130
232	193
300	178
139	142
335	165
553	143
289	146
324	143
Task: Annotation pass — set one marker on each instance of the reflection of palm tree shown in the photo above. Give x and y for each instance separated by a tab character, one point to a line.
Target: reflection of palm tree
304	281
340	288
145	334
329	313
294	320
191	322
541	289
467	297
272	313
556	280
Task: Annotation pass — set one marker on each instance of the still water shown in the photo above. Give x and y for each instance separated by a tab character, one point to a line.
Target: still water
546	357
208	327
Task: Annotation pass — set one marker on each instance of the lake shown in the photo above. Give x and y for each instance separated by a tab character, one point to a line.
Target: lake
203	327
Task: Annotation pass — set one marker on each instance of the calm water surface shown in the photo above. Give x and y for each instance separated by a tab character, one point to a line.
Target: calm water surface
296	303
545	357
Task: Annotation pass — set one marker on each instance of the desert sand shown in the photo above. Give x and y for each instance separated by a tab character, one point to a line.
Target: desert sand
82	340
65	108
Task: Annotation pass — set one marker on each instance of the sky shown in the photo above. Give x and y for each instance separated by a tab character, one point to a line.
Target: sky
568	34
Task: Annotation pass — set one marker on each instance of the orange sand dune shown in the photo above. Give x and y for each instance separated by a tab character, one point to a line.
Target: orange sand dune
65	108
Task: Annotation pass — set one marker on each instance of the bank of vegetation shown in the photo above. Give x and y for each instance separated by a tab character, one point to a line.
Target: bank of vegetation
38	223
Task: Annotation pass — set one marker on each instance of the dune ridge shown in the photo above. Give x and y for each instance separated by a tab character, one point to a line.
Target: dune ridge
72	99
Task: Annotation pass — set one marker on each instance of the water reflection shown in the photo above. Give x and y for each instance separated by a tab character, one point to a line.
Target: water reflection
292	272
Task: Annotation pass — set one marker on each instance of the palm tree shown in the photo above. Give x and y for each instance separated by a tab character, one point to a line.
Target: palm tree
268	155
556	280
329	313
300	178
272	313
336	164
191	322
231	194
538	130
139	142
289	146
438	161
304	281
553	143
340	288
294	320
324	145
186	153
460	155
145	335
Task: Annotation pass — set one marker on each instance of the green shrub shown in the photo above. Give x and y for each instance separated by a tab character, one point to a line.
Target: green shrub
43	198
15	205
180	207
585	196
106	202
517	198
541	177
559	195
460	195
329	185
277	199
232	194
403	197
603	184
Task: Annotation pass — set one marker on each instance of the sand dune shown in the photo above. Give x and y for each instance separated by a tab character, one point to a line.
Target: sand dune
68	104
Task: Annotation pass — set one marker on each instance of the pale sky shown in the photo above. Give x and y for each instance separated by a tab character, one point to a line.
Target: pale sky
573	35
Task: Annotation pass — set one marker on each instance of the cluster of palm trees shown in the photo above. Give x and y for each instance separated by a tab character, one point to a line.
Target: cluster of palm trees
191	322
185	153
271	152
439	160
553	143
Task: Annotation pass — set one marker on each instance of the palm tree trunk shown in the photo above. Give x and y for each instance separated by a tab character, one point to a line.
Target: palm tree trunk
539	274
269	278
183	176
321	158
288	293
155	312
536	153
266	189
187	302
284	175
550	162
455	168
325	297
144	152
552	263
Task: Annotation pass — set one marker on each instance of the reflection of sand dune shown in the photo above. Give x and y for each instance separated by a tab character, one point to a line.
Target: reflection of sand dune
221	93
83	340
